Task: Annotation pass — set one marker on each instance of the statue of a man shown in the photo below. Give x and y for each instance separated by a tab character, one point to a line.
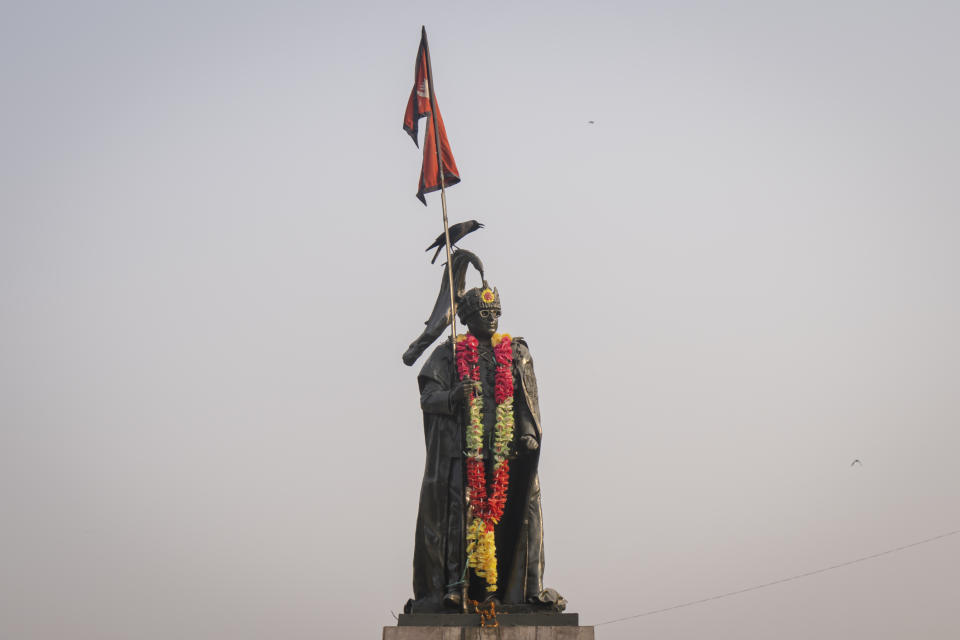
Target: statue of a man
480	497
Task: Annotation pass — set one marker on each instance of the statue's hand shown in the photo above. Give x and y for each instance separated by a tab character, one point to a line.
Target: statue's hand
461	392
529	443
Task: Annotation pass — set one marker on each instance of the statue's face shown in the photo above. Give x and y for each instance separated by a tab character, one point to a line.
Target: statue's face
484	322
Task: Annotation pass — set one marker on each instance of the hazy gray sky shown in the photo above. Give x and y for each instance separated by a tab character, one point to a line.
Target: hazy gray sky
738	280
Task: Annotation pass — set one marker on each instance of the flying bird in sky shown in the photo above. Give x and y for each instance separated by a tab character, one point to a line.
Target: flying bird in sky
457	232
589	121
856	462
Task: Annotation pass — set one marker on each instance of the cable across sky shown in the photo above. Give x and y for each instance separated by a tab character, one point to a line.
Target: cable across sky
782	580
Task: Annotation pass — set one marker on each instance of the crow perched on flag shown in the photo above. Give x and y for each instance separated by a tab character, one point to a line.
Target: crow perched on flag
457	232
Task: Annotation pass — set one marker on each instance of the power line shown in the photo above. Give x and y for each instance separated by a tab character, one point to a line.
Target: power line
781	581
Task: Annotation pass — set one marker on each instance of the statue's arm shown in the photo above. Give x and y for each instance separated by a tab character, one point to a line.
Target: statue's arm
434	398
526	409
524	419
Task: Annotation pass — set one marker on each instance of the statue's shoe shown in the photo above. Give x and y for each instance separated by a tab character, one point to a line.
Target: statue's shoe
452	600
550	599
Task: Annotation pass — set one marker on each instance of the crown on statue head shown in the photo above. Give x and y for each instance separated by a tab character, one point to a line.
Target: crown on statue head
477	299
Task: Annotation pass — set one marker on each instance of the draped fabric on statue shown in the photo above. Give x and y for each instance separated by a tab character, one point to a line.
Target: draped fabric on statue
440	316
439	543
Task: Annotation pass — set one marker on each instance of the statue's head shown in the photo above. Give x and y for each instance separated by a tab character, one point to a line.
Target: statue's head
479	309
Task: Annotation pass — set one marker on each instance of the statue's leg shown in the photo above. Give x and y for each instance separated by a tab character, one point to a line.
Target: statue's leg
535	559
454	552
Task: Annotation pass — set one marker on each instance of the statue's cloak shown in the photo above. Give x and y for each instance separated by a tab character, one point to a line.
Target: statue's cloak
438	556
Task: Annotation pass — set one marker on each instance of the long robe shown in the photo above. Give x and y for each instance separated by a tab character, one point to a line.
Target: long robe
438	556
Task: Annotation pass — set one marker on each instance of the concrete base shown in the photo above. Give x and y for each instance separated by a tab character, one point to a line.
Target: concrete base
488	633
519	617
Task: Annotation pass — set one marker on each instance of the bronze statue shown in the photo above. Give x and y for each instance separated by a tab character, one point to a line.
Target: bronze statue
479	529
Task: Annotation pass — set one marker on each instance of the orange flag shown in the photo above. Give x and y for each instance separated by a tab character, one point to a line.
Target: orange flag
419	106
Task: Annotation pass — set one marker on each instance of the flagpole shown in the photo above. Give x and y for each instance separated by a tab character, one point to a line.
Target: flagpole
443	191
453	305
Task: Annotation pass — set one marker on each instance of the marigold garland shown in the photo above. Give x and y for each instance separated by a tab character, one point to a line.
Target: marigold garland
485	511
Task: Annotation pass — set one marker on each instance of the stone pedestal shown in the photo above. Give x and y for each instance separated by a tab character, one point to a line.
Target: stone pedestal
487	633
516	626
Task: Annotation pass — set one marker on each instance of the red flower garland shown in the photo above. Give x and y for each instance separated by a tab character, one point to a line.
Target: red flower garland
485	512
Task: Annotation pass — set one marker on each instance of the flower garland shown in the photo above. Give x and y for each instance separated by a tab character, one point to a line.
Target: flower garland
485	511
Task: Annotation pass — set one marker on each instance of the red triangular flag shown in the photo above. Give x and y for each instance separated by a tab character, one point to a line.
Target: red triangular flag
418	106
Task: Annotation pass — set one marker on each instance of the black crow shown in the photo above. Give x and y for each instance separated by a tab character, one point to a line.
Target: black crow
457	232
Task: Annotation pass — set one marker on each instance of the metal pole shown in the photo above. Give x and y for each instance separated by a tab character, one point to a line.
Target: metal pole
453	305
443	191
